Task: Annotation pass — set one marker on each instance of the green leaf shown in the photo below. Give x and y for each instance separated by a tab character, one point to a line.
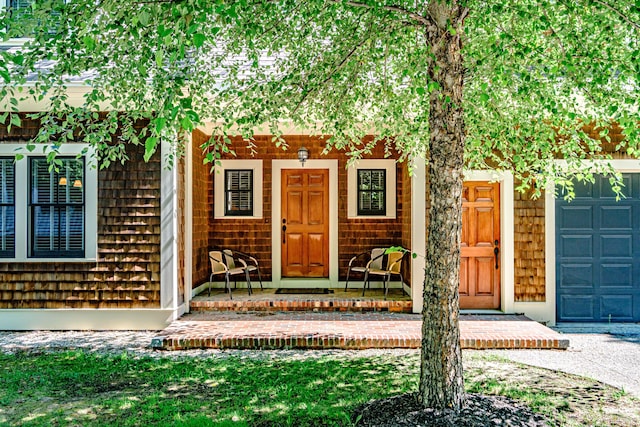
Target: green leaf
150	145
159	58
160	124
199	39
484	97
17	59
89	43
15	120
144	17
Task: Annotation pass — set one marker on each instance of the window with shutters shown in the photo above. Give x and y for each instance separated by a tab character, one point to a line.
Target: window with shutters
7	207
371	187
238	192
56	208
48	211
372	192
237	189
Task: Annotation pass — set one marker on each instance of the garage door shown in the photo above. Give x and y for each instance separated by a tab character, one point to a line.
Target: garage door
598	254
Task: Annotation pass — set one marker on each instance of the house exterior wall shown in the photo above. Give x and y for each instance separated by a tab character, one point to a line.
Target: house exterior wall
202	188
126	273
355	235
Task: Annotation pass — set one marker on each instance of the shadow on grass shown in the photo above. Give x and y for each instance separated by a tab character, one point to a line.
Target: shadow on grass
82	388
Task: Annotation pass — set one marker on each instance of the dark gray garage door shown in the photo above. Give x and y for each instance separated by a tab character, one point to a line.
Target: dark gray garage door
598	254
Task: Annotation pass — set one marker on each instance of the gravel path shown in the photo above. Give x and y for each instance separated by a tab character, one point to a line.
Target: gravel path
139	343
611	357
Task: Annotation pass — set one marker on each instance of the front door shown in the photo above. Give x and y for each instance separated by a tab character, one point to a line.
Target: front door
305	223
480	246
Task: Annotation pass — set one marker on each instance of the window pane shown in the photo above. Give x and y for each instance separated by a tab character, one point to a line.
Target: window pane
57	208
238	192
372	191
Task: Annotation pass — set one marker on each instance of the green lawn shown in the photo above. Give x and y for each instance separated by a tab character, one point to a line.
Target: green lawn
255	389
82	388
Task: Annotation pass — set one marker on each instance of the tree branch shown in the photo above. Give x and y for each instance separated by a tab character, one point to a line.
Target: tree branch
619	13
423	20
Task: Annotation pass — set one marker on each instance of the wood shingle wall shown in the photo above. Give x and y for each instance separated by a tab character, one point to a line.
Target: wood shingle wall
126	273
202	188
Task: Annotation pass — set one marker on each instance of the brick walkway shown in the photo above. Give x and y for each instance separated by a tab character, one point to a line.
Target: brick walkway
354	331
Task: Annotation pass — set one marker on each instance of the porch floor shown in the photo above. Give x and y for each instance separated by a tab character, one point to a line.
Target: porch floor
336	301
345	330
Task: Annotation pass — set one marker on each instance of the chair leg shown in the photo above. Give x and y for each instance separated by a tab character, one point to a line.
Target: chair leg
387	277
246	273
209	284
227	284
346	284
364	283
260	278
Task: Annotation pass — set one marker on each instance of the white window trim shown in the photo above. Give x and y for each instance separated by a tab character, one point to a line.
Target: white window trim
22	199
352	187
218	187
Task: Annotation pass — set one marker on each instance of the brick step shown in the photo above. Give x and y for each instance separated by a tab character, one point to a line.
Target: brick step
343	330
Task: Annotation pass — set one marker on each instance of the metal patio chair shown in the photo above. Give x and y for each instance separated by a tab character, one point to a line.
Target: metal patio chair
224	264
361	262
250	262
391	265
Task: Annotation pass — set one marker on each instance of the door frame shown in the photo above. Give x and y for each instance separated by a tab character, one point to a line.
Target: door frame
507	287
276	231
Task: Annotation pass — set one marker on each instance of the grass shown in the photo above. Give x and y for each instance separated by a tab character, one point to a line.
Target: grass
83	388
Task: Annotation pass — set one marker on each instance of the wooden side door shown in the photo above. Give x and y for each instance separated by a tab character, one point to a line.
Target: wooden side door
305	223
480	246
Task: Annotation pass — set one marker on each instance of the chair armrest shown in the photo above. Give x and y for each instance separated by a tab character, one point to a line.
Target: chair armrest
245	257
356	257
219	261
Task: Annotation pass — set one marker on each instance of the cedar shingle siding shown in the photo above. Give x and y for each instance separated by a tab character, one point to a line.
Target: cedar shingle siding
126	273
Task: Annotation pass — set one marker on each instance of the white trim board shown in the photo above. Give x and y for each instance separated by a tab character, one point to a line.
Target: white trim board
276	209
87	319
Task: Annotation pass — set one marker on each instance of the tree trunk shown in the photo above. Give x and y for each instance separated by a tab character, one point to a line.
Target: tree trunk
441	383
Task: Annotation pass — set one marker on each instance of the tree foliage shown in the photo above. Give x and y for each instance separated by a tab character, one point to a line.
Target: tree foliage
534	71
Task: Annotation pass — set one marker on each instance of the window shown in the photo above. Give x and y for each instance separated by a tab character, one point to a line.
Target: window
238	189
371	191
7	208
238	192
56	208
371	187
48	214
26	11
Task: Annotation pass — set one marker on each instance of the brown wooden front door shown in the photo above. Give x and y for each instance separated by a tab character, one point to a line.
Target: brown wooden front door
305	223
480	246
